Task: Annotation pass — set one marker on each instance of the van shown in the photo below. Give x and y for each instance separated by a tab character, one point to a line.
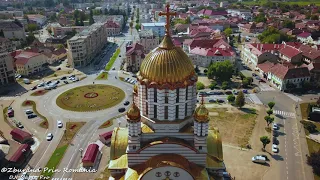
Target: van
259	159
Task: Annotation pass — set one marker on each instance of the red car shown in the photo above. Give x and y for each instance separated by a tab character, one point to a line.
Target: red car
261	80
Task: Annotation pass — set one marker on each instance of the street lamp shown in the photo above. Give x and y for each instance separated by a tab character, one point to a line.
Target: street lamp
81	152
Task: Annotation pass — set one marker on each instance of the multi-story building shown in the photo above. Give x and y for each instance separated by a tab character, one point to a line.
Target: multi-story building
12	30
38	18
60	31
149	39
290	54
6	62
134	57
113	28
157	27
28	63
6	45
204	57
85	45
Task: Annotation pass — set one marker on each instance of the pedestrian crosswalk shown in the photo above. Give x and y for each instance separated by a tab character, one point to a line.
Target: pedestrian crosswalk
254	98
284	113
293	97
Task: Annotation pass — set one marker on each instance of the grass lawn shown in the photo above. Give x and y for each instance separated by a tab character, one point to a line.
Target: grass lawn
235	127
39	93
304	108
90	98
112	59
44	123
71	130
102	76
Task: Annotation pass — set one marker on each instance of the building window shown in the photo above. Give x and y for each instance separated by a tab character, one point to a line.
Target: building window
200	147
147	112
187	93
186	109
134	147
155	95
177	111
155	111
177	100
166	112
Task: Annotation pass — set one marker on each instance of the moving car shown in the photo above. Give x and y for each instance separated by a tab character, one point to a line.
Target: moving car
121	109
47	88
126	103
258	78
275	148
254	74
259	159
49	136
29	111
60	124
32	116
275	126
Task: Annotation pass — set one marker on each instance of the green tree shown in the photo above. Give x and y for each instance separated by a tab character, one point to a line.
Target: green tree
221	70
91	20
240	101
269	120
131	24
49	3
288	24
32	27
314	17
30	38
213	85
200	85
188	20
260	18
245	82
231	98
225	85
265	140
60	46
228	32
269	112
138	27
314	161
271	104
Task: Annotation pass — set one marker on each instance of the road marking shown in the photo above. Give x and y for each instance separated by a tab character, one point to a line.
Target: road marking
70	160
284	113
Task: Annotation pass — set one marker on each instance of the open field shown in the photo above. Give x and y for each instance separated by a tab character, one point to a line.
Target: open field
71	130
90	98
235	126
44	123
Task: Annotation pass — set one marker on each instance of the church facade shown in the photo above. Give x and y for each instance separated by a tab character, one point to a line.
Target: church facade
168	136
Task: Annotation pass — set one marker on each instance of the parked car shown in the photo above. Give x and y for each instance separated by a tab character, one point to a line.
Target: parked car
33	88
26	81
265	156
19	125
121	109
59	69
261	80
254	74
220	101
66	82
228	92
219	93
126	103
113	68
29	111
47	88
48	82
202	93
245	91
275	148
49	136
275	133
212	101
275	140
63	78
60	124
32	116
258	78
235	92
259	159
41	84
275	126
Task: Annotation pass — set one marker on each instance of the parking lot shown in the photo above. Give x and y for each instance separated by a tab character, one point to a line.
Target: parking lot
37	120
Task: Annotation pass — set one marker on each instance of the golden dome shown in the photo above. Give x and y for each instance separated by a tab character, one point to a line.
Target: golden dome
166	64
135	88
201	114
133	113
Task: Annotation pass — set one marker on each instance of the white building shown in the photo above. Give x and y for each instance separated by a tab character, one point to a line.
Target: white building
12	30
83	47
38	18
149	39
134	57
204	57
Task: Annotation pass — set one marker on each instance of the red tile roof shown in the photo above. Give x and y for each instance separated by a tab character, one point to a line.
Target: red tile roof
106	135
134	47
91	154
111	24
265	67
24	57
19	154
20	135
289	51
284	71
310	52
304	35
59	51
204	43
212	52
294	44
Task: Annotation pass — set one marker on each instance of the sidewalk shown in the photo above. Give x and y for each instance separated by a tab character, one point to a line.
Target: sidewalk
259	130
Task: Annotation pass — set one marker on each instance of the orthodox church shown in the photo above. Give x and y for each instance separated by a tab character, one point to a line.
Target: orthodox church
168	135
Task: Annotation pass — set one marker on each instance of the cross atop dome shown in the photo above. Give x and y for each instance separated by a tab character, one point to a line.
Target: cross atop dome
168	14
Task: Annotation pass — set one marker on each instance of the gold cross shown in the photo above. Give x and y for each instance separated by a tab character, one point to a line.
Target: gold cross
168	14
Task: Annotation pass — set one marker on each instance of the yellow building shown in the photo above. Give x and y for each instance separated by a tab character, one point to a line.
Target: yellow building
168	136
28	63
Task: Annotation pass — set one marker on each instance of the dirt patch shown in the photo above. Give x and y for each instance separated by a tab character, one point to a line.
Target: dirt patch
204	80
235	126
213	114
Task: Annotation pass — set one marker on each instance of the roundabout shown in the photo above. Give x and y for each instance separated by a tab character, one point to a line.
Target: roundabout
90	98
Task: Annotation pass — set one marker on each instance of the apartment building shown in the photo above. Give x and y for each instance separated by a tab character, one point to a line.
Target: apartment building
61	31
134	57
83	47
28	63
6	62
113	28
12	30
149	39
38	18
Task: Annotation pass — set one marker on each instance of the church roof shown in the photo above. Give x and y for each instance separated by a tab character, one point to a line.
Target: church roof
119	143
214	148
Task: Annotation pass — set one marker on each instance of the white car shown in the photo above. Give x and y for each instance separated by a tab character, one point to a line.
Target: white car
275	126
60	124
41	84
113	68
275	148
49	136
47	87
29	111
259	159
